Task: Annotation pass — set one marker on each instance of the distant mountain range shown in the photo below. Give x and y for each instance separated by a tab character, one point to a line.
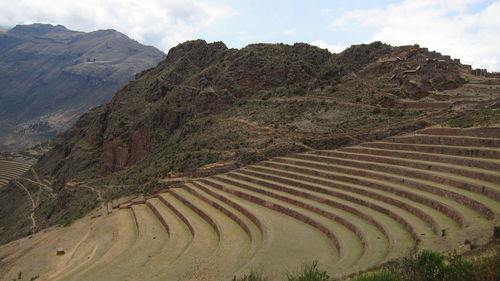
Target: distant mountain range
50	75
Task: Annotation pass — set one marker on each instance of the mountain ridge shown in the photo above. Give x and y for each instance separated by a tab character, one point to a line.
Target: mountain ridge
208	106
68	72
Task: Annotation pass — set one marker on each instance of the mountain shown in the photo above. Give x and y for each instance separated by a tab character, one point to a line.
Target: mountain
50	75
207	108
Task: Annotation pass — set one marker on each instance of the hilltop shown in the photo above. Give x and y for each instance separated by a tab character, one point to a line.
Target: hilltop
50	75
208	109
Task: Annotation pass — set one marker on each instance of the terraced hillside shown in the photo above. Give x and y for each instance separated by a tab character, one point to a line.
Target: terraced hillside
479	92
351	209
13	167
208	109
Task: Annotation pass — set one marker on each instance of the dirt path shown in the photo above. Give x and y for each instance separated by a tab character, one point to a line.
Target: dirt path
41	186
98	192
100	197
27	192
39	192
318	98
268	131
252	127
40	182
33	205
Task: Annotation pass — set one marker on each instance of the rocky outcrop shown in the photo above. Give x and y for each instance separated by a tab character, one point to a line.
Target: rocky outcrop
118	154
174	118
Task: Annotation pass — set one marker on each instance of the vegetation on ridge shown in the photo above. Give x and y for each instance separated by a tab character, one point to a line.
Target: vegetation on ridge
206	104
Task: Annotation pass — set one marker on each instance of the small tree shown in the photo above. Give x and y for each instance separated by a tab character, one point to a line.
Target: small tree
496	232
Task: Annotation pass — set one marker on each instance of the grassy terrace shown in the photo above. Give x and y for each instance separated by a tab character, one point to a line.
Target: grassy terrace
400	180
350	209
11	169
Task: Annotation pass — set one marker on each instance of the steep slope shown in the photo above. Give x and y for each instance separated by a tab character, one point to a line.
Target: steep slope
350	209
50	75
206	109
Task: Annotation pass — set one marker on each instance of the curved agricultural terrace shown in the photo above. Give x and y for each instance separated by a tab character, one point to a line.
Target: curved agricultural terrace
12	168
350	209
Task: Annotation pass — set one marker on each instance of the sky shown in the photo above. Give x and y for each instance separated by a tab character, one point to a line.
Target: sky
465	29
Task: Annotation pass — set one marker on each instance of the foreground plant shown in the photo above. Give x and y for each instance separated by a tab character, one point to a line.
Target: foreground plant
310	272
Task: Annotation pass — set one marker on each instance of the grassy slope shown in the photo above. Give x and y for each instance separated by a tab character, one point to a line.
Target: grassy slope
111	247
208	104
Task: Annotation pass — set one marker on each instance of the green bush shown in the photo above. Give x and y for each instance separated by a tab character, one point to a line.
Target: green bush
423	266
483	117
496	232
310	272
432	266
378	276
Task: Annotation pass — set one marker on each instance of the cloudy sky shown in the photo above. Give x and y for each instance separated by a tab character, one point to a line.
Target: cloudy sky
466	29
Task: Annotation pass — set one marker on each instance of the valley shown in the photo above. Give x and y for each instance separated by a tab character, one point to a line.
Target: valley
220	162
50	75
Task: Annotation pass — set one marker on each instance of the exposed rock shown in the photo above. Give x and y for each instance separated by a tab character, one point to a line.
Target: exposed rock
176	118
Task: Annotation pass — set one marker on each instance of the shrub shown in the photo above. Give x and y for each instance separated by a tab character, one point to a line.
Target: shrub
379	276
310	272
152	187
432	266
423	266
253	276
249	157
496	232
458	269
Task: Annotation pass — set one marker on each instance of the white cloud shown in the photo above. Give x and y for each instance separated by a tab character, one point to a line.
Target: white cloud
332	48
163	23
447	26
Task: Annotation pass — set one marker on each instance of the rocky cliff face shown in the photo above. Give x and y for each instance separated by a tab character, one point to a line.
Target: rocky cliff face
50	75
206	104
197	80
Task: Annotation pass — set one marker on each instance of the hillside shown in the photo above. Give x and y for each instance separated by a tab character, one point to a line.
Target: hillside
13	166
50	75
208	109
351	209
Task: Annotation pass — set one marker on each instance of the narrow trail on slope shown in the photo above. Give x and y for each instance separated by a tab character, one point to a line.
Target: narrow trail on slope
98	192
41	186
252	127
318	98
100	197
40	182
33	205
